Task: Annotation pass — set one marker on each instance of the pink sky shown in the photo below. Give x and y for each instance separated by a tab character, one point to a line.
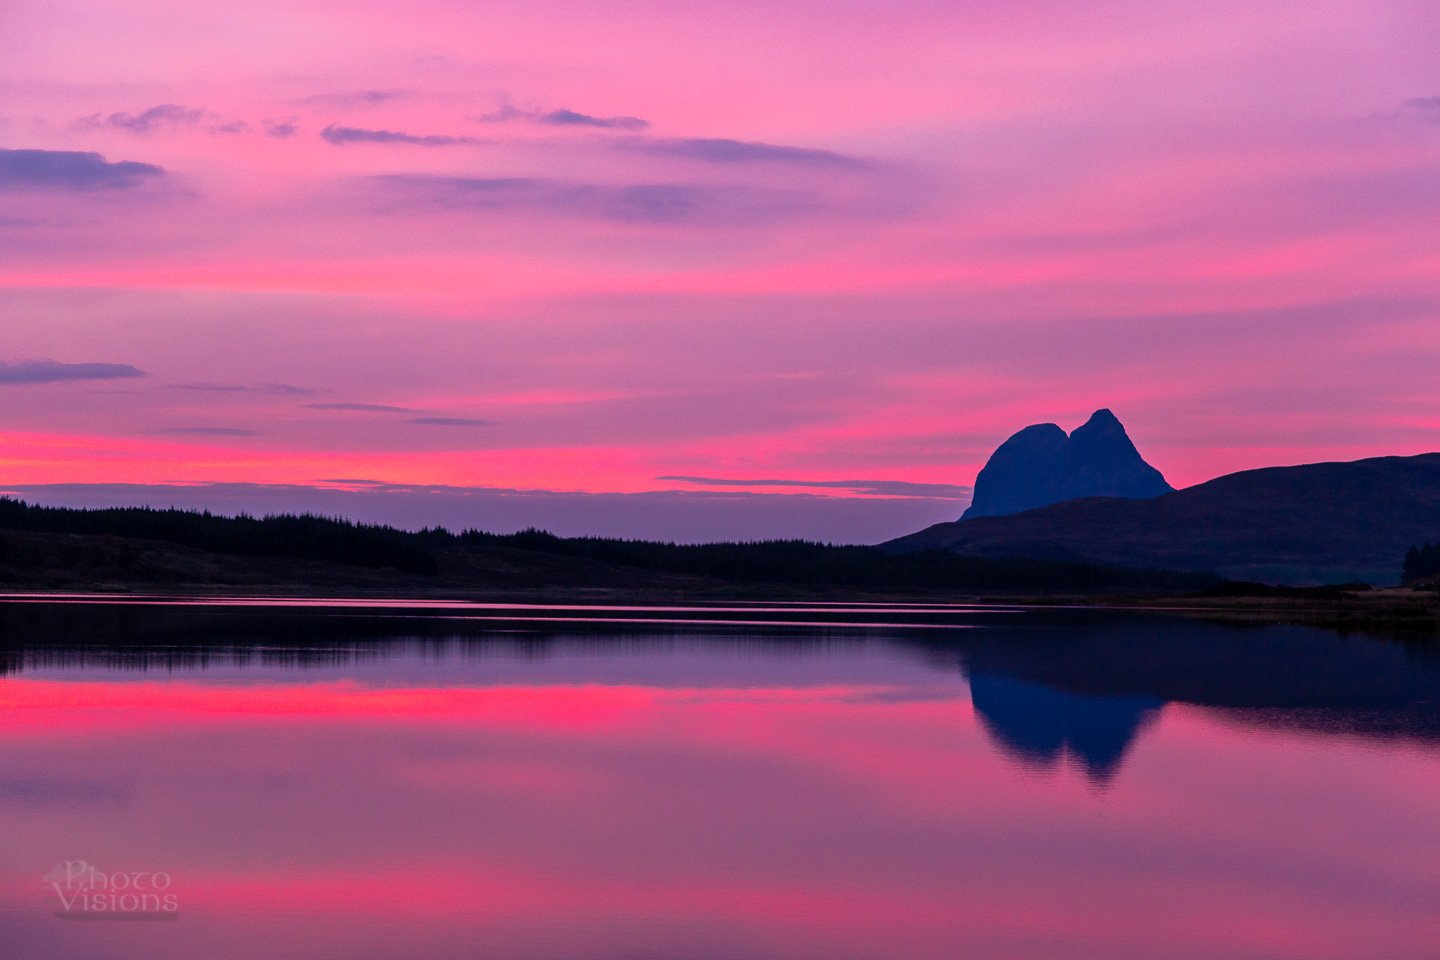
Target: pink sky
586	247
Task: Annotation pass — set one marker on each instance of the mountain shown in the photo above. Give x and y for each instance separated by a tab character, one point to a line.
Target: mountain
1040	465
1317	523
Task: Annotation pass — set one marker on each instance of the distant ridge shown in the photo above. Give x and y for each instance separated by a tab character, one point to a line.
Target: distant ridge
1317	523
1041	465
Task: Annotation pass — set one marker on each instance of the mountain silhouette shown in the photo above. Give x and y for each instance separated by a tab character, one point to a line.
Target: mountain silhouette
1041	465
1317	523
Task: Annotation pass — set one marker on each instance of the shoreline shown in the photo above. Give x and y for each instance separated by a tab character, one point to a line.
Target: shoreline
1393	612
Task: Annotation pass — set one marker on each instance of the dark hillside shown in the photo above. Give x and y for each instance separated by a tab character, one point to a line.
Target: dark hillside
1318	523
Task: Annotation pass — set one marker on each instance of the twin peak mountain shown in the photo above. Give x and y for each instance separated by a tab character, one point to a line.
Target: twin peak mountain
1089	497
1042	465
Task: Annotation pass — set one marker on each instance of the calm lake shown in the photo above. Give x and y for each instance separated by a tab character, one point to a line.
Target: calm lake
394	780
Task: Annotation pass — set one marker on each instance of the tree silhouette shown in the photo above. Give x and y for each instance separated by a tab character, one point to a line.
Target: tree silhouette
335	540
290	536
1421	562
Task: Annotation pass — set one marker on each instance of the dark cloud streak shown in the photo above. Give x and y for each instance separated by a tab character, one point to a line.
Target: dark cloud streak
722	151
451	422
653	203
281	126
340	136
360	407
881	488
569	118
155	118
563	118
52	371
72	170
282	389
1430	106
355	98
205	432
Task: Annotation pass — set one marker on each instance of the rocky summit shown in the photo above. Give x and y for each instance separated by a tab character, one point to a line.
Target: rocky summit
1041	465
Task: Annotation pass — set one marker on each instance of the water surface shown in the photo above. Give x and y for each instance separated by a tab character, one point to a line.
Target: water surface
392	780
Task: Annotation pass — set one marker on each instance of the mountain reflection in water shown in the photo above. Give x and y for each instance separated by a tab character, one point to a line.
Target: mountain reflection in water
1088	688
1038	725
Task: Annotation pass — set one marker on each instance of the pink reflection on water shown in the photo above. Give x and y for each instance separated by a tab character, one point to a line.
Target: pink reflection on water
335	819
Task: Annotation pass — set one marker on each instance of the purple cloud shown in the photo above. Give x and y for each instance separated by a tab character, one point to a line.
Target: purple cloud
70	169
281	126
164	115
340	136
451	422
563	118
356	98
717	150
655	203
1430	106
880	488
569	118
52	371
360	407
283	389
205	432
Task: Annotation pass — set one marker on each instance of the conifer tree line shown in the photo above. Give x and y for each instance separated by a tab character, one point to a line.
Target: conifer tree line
337	540
1421	562
289	536
807	562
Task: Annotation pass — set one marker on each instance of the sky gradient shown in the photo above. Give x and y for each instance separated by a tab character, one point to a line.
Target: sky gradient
426	263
